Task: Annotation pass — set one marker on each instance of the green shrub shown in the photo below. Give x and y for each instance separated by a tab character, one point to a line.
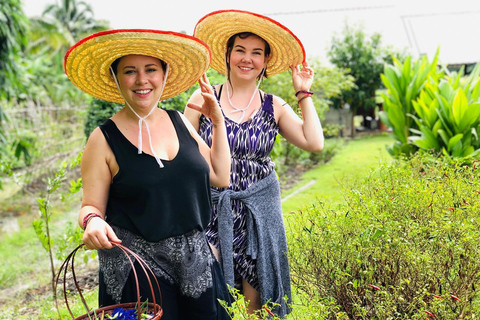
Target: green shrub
448	116
432	110
332	130
405	244
404	82
98	112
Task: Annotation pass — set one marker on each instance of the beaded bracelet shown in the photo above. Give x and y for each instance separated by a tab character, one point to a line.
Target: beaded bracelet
88	217
304	92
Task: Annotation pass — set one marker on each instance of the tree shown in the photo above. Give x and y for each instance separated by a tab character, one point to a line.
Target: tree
13	30
364	57
51	35
62	25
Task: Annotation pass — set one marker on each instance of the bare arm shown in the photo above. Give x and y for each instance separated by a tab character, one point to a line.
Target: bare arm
193	115
96	178
218	156
306	133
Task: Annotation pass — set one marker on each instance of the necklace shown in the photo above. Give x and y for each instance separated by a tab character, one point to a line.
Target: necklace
249	103
240	109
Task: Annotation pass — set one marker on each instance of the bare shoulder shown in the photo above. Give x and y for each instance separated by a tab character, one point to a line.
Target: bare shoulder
196	97
279	102
98	157
280	107
97	147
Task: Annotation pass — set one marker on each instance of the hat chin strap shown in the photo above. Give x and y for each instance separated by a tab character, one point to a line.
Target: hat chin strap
142	120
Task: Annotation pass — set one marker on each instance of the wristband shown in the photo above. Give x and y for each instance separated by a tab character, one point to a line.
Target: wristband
88	217
304	92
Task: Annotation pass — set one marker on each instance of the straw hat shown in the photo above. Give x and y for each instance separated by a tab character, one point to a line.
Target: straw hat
87	62
217	27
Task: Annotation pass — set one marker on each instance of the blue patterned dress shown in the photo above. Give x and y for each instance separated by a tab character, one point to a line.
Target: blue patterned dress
250	145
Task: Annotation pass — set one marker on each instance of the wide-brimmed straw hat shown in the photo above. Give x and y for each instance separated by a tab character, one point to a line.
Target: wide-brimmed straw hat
217	27
87	63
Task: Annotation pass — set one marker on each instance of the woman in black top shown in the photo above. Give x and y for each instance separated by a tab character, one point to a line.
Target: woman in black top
146	173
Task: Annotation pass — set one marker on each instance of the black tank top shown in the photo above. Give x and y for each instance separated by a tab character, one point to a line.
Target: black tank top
157	203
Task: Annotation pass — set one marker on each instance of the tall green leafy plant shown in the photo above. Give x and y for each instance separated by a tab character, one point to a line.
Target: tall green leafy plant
404	83
448	116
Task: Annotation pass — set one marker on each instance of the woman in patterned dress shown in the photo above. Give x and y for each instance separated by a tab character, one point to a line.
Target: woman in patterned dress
248	213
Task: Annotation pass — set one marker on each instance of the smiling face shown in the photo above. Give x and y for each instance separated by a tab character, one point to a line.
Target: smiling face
248	56
141	80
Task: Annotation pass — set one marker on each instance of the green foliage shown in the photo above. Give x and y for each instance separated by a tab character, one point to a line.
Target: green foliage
42	226
448	116
405	243
404	83
332	130
97	113
13	30
50	36
64	23
430	110
32	58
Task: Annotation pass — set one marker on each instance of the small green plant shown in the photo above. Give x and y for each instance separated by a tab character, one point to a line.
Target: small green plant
42	226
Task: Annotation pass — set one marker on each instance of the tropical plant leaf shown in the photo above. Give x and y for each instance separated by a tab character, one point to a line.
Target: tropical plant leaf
454	141
459	108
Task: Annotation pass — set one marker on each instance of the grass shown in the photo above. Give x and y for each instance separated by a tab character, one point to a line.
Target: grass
352	162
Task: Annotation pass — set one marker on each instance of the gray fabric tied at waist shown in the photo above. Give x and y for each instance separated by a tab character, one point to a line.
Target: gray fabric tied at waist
266	240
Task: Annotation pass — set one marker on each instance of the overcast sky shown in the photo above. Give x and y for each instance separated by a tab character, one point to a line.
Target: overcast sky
418	25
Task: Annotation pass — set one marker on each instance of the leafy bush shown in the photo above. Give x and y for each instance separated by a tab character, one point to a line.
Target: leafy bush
332	130
448	116
405	246
404	82
432	110
98	112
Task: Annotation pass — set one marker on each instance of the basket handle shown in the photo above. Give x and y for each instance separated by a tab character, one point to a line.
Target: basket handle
146	269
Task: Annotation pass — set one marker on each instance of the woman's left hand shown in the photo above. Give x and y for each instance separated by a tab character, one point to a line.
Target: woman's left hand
302	79
210	107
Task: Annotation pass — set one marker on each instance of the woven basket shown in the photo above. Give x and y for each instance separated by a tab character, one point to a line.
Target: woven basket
153	308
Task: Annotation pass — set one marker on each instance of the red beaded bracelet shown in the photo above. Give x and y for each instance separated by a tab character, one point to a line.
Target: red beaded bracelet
89	216
304	92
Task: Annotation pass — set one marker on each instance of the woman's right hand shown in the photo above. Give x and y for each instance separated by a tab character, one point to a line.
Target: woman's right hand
99	235
209	107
